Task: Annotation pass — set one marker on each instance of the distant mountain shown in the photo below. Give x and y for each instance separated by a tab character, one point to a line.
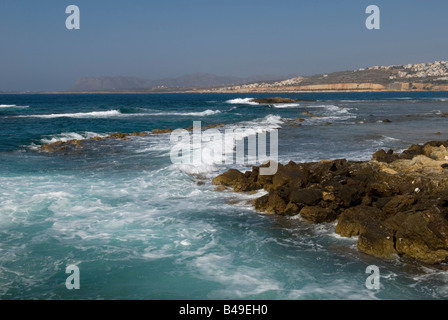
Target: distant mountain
196	80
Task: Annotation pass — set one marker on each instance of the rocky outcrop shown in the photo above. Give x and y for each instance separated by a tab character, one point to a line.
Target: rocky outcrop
397	204
160	131
272	100
75	144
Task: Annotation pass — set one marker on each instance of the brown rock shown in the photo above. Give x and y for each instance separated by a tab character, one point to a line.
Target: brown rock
214	126
307	197
273	100
53	147
350	195
318	214
354	221
160	131
291	209
232	178
275	204
139	134
60	146
396	204
377	240
399	203
261	203
424	236
118	135
412	151
382	156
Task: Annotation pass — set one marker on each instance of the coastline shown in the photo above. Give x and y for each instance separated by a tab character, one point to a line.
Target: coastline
396	204
221	92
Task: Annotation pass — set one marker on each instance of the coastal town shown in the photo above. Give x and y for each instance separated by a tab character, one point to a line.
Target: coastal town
422	76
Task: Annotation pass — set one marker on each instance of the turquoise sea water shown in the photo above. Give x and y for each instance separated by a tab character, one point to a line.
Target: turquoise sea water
140	227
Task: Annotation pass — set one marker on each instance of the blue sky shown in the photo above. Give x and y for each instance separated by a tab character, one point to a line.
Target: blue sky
157	39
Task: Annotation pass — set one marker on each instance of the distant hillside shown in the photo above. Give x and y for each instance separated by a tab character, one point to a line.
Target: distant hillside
197	80
423	76
411	77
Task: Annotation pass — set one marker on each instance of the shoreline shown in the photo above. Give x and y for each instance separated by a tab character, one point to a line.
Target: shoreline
396	204
220	92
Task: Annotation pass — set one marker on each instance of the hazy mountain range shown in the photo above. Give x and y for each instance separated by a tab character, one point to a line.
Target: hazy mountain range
196	80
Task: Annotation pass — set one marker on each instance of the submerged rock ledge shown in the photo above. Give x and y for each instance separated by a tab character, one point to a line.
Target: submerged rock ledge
76	145
397	204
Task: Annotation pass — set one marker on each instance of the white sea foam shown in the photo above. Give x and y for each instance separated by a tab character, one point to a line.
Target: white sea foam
66	136
328	119
237	281
94	114
332	108
196	114
242	101
236	133
286	105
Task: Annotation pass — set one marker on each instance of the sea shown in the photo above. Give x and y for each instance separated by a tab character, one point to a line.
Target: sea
119	219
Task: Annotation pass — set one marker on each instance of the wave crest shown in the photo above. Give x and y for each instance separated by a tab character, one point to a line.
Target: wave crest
242	101
94	114
197	114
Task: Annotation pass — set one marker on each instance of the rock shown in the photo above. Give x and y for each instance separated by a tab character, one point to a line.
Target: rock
317	214
304	100
307	197
160	131
261	203
399	203
328	196
275	204
424	236
395	204
53	147
412	151
214	126
382	156
119	135
232	178
436	143
353	221
139	134
395	221
273	100
436	153
349	195
377	240
60	146
386	121
291	209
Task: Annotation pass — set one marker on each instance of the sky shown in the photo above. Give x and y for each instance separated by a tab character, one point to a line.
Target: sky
170	38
